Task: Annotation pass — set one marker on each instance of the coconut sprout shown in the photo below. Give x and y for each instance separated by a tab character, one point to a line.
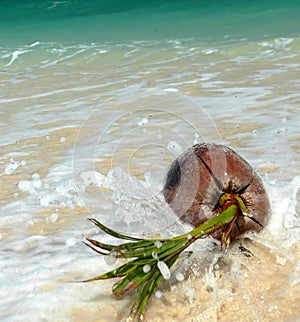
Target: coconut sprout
209	186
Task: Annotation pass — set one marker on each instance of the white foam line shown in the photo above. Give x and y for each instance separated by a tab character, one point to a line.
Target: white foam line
15	56
64	58
34	44
59	91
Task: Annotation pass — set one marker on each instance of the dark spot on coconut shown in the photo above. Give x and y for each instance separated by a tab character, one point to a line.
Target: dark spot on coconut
173	177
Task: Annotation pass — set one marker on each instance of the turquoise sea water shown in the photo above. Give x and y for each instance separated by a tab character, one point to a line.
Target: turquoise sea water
97	21
96	100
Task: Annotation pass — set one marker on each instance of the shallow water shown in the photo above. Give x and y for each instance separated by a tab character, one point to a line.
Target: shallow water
89	128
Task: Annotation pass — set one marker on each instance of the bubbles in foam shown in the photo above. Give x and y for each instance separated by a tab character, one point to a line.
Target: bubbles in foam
179	276
52	218
70	242
143	121
174	148
11	167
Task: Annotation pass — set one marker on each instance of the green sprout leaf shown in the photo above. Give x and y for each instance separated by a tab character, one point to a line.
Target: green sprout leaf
153	258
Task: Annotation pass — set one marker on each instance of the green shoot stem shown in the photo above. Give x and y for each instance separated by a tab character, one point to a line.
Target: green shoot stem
146	252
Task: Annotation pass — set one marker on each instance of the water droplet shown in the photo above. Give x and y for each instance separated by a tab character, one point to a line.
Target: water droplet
158	244
179	276
154	255
164	269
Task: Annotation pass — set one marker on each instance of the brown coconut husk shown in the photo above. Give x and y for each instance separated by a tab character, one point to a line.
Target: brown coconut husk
196	180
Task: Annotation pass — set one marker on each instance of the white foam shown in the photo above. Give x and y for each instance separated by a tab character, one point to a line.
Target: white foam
12	167
284	220
143	121
52	218
70	242
133	204
171	90
174	147
15	55
34	44
179	276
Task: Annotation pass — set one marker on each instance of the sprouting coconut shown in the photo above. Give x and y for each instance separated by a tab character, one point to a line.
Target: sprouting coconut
203	174
211	187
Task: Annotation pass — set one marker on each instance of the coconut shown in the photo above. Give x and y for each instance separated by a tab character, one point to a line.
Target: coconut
198	178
